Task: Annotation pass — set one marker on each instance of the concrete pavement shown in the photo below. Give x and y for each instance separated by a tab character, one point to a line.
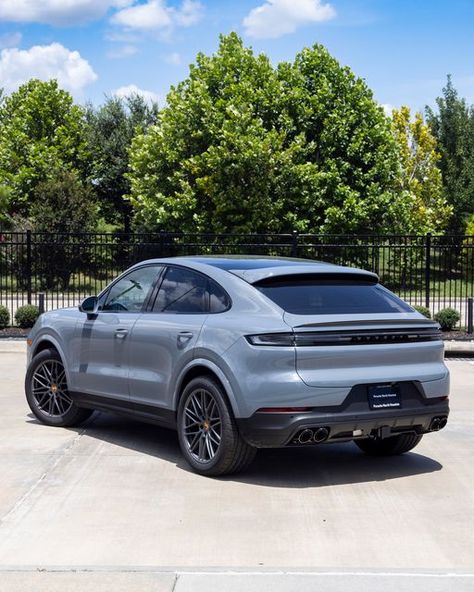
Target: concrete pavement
112	506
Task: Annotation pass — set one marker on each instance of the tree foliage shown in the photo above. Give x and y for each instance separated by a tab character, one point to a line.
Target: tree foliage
61	204
41	132
453	127
246	147
110	129
420	181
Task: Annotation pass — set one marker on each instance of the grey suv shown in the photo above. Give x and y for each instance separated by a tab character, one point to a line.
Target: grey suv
239	353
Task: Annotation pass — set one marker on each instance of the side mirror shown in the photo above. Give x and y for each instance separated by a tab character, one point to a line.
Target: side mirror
90	306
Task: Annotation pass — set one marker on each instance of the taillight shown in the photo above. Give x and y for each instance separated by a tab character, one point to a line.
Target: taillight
345	337
272	339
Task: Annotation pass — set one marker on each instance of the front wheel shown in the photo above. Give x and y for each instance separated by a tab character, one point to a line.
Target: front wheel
389	446
47	392
208	436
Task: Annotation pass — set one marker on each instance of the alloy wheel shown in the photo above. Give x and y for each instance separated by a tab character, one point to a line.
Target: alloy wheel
49	389
202	425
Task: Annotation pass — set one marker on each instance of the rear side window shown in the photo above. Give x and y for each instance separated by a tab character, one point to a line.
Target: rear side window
218	299
313	297
186	291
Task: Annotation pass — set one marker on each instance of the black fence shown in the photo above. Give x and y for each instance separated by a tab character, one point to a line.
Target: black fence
433	271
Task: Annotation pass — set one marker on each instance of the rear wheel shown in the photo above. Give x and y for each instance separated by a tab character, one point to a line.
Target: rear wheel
208	436
389	446
47	392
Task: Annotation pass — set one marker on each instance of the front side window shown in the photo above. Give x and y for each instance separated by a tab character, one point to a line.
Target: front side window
130	292
319	297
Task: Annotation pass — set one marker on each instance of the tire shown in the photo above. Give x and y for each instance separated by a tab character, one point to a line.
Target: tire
205	414
389	446
47	393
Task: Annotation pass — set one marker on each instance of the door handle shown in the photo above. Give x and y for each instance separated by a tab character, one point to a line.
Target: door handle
185	335
121	333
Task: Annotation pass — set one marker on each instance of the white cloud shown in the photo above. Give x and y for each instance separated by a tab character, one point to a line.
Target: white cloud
10	40
173	58
71	71
57	12
275	18
157	15
122	52
132	89
387	109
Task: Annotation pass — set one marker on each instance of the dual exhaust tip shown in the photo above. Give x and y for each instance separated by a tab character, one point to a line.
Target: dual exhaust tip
312	436
438	423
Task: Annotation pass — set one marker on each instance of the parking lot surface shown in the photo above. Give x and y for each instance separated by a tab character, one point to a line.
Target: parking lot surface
111	505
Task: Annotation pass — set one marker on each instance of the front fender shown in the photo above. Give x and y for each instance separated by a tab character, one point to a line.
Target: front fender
47	336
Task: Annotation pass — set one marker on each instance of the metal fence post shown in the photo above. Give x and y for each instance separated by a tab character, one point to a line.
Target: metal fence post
470	328
427	269
294	244
28	266
162	243
41	296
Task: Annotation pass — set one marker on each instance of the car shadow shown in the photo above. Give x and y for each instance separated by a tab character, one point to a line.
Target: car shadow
314	466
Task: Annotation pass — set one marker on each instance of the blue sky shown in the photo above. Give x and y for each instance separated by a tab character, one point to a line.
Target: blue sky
403	48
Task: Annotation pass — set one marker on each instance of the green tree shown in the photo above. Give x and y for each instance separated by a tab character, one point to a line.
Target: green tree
453	127
61	204
246	147
420	179
41	132
110	129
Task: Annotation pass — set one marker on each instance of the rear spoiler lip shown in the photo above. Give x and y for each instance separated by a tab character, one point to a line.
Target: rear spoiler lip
394	323
253	276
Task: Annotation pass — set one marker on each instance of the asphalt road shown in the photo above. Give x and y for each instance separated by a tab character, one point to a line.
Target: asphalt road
112	506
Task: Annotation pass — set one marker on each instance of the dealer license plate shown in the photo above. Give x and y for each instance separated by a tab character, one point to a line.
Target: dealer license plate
384	397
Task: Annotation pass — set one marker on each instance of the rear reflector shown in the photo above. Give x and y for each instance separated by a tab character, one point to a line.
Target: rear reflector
283	409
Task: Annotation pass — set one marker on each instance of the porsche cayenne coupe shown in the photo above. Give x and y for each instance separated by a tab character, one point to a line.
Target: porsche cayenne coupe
238	353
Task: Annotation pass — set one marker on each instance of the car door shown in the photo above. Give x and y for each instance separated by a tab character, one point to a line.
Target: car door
103	341
163	339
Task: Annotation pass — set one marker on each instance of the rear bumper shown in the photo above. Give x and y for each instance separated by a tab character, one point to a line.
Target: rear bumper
351	420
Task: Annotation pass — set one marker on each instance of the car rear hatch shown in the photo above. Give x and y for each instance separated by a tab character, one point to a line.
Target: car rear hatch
376	350
348	330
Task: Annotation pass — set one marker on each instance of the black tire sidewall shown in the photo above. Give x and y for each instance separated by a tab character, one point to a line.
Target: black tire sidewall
392	446
74	414
228	429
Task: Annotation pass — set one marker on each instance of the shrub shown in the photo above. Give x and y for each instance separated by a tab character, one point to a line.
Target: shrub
447	318
26	316
423	310
4	317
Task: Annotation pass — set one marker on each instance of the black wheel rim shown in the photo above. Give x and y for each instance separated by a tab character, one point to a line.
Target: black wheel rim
202	425
49	389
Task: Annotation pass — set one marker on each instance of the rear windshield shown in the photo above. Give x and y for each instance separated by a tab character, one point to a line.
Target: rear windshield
313	297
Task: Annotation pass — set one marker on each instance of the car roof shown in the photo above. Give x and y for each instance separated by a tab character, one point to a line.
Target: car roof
254	268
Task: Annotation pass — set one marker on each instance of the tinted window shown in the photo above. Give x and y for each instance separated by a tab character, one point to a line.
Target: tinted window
332	297
130	292
182	291
218	299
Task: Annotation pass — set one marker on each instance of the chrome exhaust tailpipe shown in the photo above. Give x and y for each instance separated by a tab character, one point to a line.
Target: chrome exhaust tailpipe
305	437
320	435
442	422
438	423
